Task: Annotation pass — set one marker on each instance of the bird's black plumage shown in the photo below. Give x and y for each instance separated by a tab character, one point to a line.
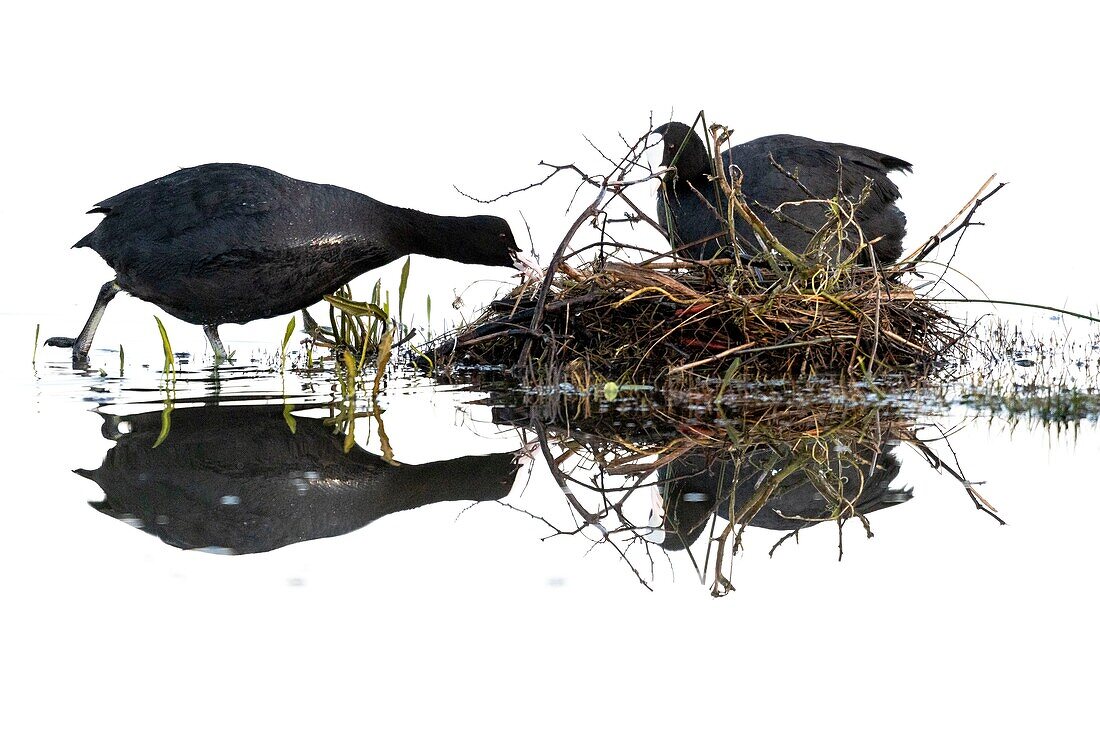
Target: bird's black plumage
821	168
230	243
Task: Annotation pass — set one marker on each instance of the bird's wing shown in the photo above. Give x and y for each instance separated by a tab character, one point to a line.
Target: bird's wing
194	197
816	165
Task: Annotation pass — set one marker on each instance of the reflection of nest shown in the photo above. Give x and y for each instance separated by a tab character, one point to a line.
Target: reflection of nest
779	467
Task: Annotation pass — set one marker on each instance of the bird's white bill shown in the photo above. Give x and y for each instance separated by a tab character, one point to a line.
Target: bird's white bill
528	266
654	150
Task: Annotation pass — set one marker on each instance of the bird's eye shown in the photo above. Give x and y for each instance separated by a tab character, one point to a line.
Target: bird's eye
503	235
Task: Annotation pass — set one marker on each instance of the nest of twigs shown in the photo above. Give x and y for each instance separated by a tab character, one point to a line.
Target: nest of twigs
649	323
599	315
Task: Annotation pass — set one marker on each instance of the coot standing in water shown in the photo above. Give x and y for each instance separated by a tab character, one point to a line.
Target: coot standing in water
230	243
820	167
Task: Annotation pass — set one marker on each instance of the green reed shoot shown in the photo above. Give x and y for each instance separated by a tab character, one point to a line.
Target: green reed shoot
169	356
428	305
121	361
731	372
401	290
34	353
347	319
286	340
376	300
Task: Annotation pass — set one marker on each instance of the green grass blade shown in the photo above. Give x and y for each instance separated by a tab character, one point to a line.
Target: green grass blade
286	340
428	317
731	372
354	307
401	289
169	356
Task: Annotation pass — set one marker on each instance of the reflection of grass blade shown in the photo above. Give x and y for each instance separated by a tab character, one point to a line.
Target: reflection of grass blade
291	422
349	436
383	439
165	421
352	372
348	409
384	348
286	340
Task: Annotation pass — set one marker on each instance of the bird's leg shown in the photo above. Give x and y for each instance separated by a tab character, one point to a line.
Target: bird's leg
215	340
82	344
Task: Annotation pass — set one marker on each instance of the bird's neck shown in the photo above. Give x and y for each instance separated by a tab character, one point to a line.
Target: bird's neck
405	231
424	234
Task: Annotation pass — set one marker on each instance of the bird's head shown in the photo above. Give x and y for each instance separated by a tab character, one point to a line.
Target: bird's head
682	150
493	244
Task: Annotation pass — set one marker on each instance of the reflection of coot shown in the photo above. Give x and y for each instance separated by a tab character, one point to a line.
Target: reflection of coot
693	488
237	478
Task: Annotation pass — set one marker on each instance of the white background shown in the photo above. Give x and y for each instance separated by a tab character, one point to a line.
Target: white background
401	104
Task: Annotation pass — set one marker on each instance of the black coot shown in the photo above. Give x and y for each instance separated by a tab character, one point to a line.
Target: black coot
230	243
820	167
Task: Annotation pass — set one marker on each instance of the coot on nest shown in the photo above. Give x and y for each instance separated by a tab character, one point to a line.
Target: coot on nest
230	243
820	167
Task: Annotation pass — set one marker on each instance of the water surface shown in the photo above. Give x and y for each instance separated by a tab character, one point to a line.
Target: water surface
224	539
